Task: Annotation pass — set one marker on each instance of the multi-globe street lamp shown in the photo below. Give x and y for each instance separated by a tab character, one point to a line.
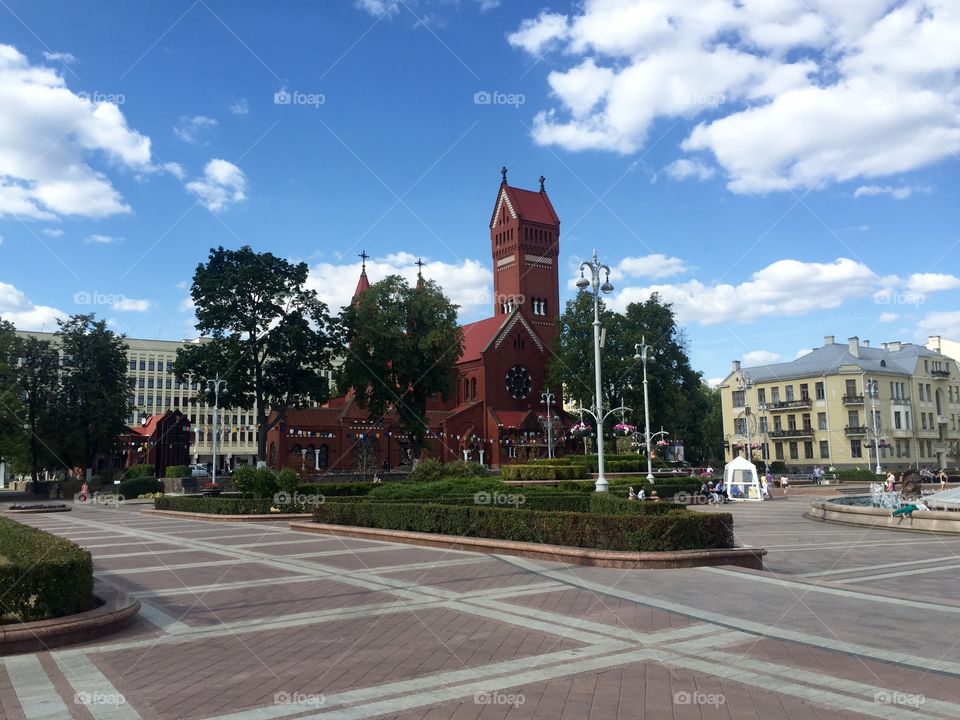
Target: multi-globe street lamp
595	268
547	398
216	385
643	355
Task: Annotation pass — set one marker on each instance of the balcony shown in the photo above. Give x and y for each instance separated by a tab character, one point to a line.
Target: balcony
791	434
860	430
942	420
789	405
900	401
940	374
853	399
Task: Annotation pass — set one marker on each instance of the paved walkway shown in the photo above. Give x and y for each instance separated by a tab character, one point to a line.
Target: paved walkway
253	622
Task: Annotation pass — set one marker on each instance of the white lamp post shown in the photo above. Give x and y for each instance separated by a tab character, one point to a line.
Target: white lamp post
643	355
594	283
216	385
874	393
546	398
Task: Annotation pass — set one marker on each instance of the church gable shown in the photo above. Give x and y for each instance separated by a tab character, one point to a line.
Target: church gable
517	323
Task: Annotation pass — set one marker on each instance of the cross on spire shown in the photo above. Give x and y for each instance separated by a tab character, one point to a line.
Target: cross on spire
363	258
542	181
503	171
419	263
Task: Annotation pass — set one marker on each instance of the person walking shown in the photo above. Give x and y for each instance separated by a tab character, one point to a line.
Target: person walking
942	476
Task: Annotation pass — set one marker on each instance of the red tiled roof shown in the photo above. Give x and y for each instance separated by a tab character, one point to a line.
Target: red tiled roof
477	335
529	205
362	284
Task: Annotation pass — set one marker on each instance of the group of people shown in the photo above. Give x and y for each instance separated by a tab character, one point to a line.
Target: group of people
637	494
715	493
928	475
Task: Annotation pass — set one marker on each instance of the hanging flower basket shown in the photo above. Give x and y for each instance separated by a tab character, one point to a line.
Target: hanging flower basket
581	430
624	429
662	443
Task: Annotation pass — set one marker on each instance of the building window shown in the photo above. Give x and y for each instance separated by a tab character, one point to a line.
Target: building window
143	364
824	449
133	364
473	388
739	398
853	418
820	393
789	391
763	423
851	388
791	422
778	450
761	396
821	421
897	422
856	450
806	422
808	449
777	426
775	395
151	365
794	451
804	391
740	426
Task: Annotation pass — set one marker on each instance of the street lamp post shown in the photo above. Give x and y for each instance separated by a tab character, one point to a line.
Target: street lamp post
873	387
643	352
216	385
597	287
745	384
546	398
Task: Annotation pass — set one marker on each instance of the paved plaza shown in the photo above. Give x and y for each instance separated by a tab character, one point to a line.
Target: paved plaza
254	621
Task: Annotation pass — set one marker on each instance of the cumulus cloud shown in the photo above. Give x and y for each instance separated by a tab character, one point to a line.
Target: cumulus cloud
223	184
16	308
783	288
803	351
240	107
193	129
656	265
98	239
888	317
944	323
49	138
379	7
783	95
897	193
60	57
52	232
467	283
759	357
926	283
126	304
684	169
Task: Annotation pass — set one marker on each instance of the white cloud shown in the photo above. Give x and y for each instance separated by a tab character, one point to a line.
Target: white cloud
49	138
785	93
657	265
931	282
467	283
131	305
193	129
1	239
683	169
759	357
16	308
803	351
175	169
487	5
888	317
223	184
187	305
783	288
715	382
946	324
240	107
60	57
379	7
897	193
52	232
98	239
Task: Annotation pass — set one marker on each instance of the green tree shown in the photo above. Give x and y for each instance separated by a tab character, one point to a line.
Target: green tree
95	393
11	410
404	343
39	382
269	336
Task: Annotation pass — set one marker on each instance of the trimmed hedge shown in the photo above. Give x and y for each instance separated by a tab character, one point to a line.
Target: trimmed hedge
42	575
139	471
225	506
178	471
453	487
678	530
613	505
540	471
337	489
430	470
135	487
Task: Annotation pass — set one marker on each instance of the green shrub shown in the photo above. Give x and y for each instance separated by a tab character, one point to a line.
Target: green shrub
613	505
337	489
42	575
243	479
139	471
679	530
136	487
452	487
177	471
288	480
228	505
778	467
430	470
859	476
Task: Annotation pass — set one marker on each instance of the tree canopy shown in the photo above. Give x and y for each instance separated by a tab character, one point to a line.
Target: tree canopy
266	334
403	346
11	412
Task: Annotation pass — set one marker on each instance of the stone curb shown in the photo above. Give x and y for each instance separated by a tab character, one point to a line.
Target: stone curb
117	611
42	510
742	557
211	517
937	521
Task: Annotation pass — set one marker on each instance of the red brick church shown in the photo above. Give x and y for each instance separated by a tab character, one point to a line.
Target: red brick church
496	415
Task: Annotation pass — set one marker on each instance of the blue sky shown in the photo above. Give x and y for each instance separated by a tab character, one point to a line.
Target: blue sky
779	171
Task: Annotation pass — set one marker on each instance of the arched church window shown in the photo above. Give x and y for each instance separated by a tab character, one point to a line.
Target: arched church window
473	389
466	389
323	458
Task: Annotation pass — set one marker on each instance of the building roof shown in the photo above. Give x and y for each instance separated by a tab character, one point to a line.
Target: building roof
527	205
829	358
362	284
478	335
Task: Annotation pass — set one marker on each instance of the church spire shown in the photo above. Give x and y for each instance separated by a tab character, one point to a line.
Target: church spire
363	283
420	263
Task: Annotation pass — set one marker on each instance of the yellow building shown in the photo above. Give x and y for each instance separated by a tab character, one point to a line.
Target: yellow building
835	405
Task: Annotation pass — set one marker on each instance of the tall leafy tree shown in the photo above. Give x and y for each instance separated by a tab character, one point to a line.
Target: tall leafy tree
267	335
39	383
11	411
95	395
404	343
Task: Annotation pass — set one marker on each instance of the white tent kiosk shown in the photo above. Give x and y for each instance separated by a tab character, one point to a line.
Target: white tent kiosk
741	480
